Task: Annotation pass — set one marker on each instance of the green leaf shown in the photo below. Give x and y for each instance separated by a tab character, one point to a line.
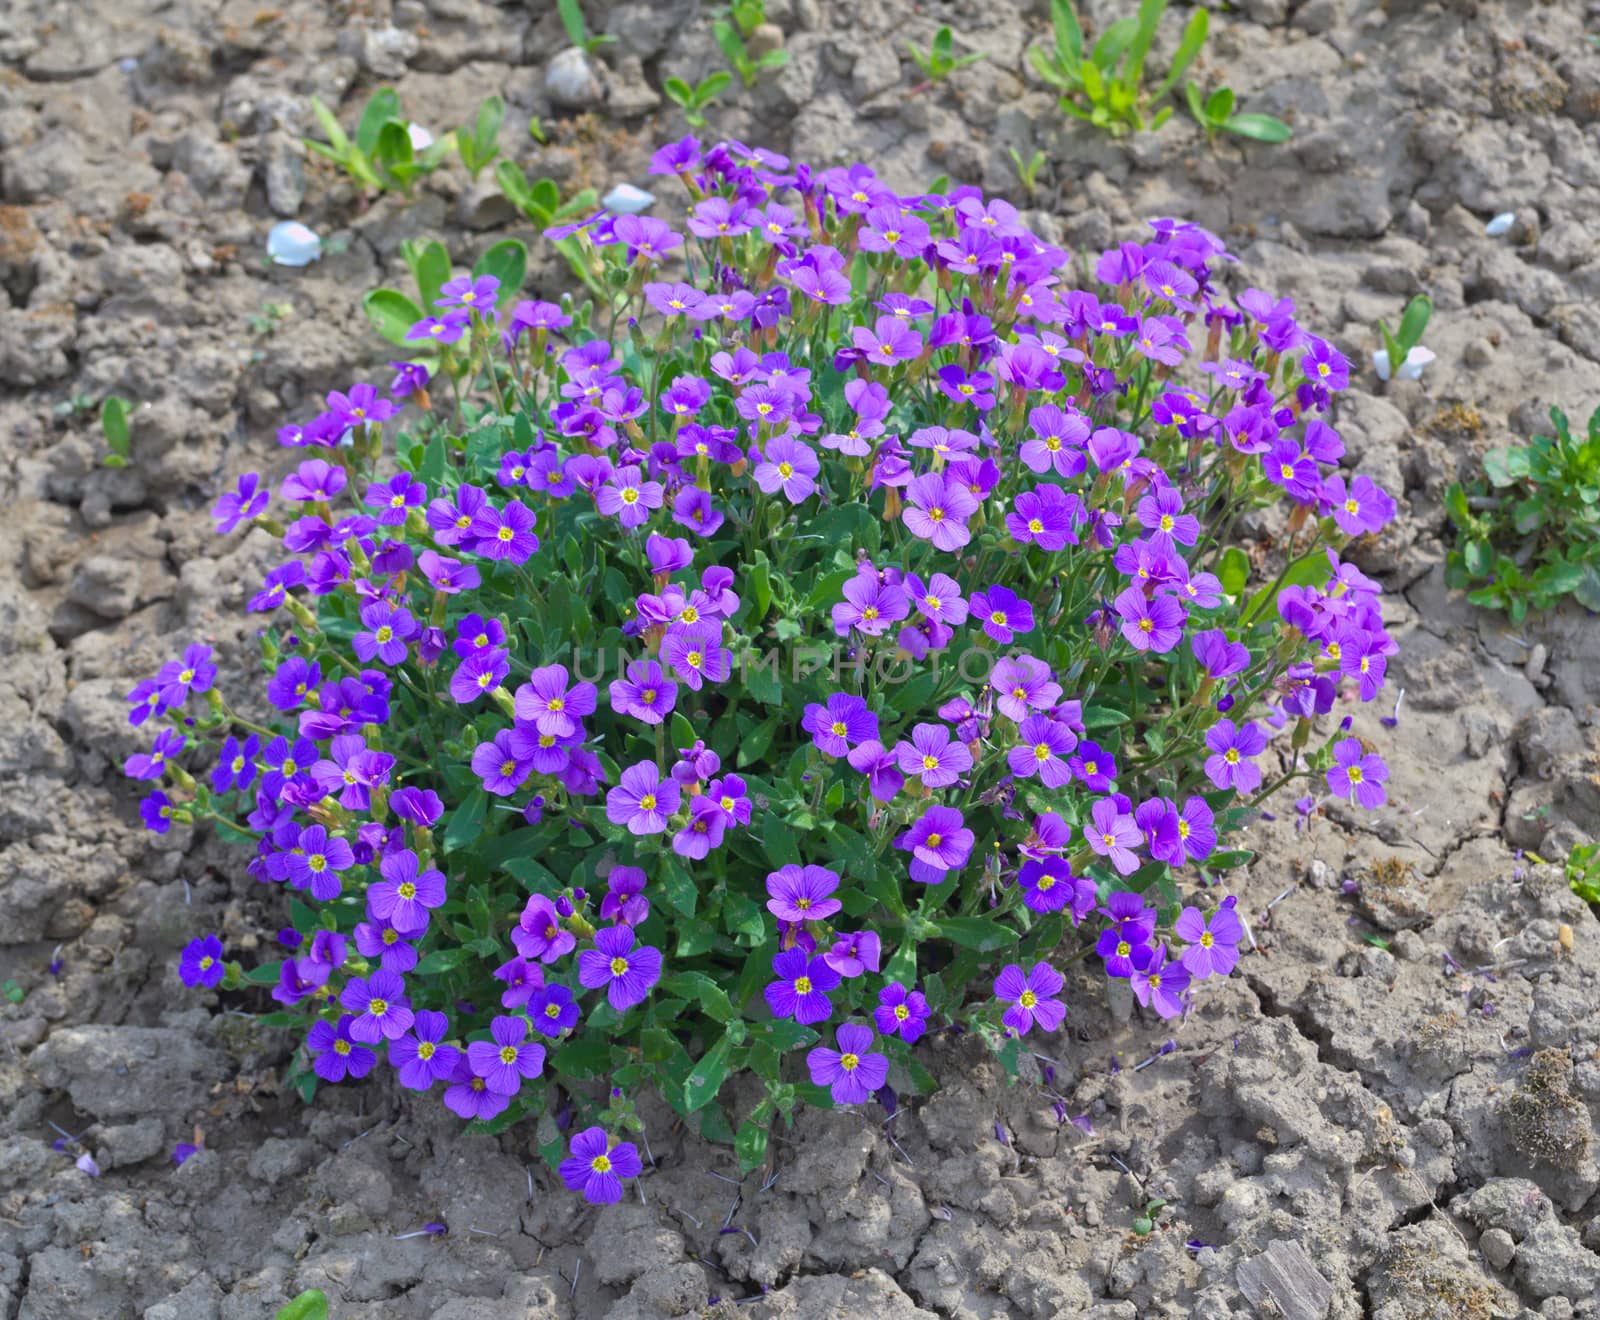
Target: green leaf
114	424
1259	128
382	109
708	1075
440	961
1418	311
779	842
491	114
1194	37
466	821
312	1304
265	973
750	1145
1068	32
430	267
679	887
713	85
1150	12
1233	570
392	314
338	143
697	985
1478	558
1191	95
678	90
507	261
1227	861
1103	717
977	933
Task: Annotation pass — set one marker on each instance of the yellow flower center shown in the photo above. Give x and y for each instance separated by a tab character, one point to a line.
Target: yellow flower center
619	966
1027	999
802	985
849	1062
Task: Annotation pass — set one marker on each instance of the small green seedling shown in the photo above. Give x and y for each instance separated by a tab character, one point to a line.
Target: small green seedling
1532	535
80	401
1403	355
738	54
312	1304
1216	115
478	145
1583	871
695	99
381	156
1145	1223
13	992
577	30
748	15
1106	88
939	61
266	323
114	423
1028	173
536	131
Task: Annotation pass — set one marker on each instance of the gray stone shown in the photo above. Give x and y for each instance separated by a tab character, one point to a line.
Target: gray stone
1284	1277
571	82
131	1143
1497	1247
128	1072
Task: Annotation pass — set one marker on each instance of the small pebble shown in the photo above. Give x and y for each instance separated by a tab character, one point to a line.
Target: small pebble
1497	1247
1501	224
1478	353
1534	665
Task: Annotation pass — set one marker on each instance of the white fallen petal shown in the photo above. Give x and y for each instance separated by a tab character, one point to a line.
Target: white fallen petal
85	1162
290	243
1501	224
625	199
1416	360
421	139
1380	363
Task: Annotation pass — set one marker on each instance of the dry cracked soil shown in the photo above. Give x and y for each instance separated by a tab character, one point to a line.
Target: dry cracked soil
1388	1111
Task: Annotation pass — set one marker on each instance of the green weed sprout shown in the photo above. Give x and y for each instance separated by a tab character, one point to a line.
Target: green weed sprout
1107	89
1583	871
1216	115
1028	173
939	61
114	424
695	99
738	54
1402	354
381	156
479	145
312	1304
748	15
577	30
1533	535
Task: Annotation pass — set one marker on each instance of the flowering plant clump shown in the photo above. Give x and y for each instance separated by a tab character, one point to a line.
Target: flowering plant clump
824	648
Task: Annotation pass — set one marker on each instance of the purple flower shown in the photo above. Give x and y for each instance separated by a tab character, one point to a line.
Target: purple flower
419	1056
646	694
938	843
1095	767
642	800
802	893
446	329
1358	773
939	599
385	631
696	654
144	701
1213	945
1042	750
800	991
1112	833
1150	624
598	1169
703	831
1048	885
1032	997
1044	517
552	704
789	465
316	861
646	238
381	940
395	497
241	505
931	756
475	294
626	972
870	606
553	1010
410	378
508	1059
201	962
381	1007
501	764
875	761
1229	765
1002	613
448	575
156	812
1219	657
852	1072
855	955
402	897
673	299
1023	684
628	497
1161	985
937	510
479	673
844	721
1359	508
469	1096
539	932
1161	513
335	1055
194	673
236	764
901	1012
625	900
505	534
